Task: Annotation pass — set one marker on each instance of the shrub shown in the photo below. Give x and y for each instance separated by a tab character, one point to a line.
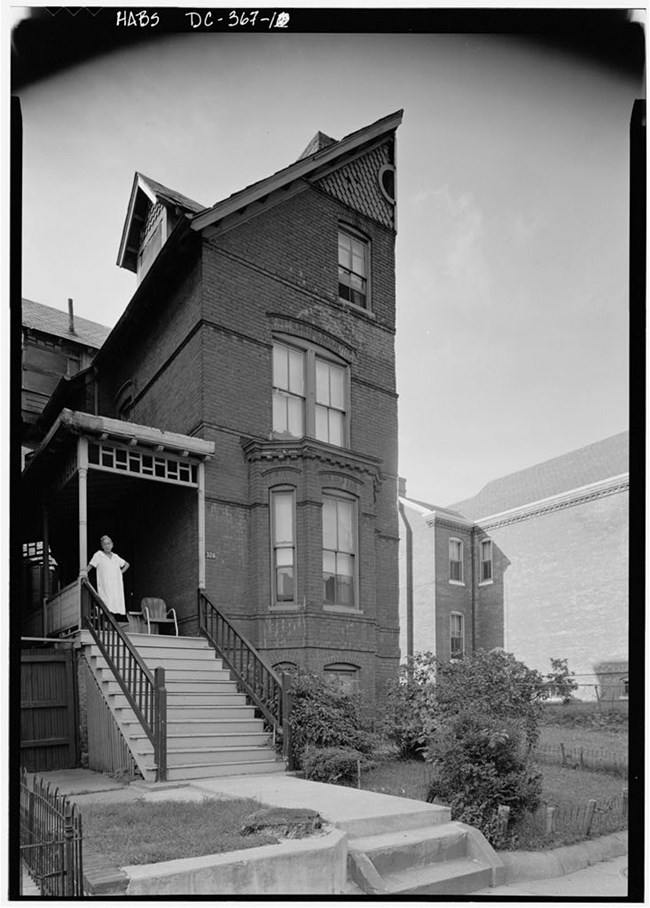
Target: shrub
495	684
409	707
331	764
559	681
481	763
324	714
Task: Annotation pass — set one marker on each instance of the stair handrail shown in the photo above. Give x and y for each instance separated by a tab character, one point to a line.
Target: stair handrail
145	690
269	691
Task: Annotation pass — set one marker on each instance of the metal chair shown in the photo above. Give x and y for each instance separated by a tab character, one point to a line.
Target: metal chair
155	612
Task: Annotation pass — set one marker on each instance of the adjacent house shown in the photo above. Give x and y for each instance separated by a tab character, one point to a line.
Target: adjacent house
236	433
536	563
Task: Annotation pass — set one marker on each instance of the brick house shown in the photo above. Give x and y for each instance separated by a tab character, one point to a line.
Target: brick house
237	432
536	563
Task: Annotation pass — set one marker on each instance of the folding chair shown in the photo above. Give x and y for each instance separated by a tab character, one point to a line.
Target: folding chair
156	613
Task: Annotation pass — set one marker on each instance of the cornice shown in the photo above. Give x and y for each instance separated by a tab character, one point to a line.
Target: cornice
257	451
570	499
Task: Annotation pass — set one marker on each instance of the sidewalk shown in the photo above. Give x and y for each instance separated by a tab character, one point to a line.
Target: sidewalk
607	879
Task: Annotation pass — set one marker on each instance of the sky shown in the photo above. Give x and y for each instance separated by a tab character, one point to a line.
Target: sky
513	204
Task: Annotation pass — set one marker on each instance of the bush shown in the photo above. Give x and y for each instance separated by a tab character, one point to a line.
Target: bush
481	763
495	684
324	714
409	707
332	764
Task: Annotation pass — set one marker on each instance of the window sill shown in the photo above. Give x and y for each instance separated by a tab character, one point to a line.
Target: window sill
345	609
457	582
486	582
360	310
284	607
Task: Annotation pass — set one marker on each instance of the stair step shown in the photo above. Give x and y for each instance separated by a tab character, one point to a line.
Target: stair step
195	727
204	672
189	688
216	755
212	770
217	711
198	742
142	641
391	852
182	701
455	877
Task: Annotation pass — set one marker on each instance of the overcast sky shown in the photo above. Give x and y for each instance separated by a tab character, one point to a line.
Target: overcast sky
512	249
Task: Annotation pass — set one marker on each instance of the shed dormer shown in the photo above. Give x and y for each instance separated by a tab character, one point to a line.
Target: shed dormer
153	212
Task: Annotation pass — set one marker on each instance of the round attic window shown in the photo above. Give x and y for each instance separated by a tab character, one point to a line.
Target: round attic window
386	179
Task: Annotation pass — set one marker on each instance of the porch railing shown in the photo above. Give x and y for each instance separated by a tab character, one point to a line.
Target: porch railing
145	692
50	839
268	690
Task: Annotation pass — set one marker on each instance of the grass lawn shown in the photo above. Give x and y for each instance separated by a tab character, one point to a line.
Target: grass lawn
142	832
614	740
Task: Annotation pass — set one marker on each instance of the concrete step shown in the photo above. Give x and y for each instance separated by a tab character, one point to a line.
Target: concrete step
211	770
392	852
456	877
421	815
212	756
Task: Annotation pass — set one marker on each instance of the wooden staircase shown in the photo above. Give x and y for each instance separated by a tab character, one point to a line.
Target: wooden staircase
211	729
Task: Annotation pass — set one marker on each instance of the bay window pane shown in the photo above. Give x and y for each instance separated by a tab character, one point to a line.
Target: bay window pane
329	562
280	367
295	409
335	428
296	373
329	524
279	412
283	517
344	565
284	584
337	387
321	429
322	382
344	590
345	526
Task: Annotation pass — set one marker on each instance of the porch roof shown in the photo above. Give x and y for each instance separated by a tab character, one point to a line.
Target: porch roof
76	422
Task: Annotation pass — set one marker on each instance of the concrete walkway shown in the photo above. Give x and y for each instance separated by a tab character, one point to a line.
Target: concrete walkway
607	879
348	808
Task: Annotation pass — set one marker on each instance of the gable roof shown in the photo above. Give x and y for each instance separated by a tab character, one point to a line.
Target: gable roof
146	192
305	166
44	318
593	463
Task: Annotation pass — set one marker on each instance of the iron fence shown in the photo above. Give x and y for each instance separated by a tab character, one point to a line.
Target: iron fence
50	839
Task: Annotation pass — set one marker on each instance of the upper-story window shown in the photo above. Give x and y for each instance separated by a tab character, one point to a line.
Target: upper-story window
283	543
354	267
486	560
339	550
310	392
455	561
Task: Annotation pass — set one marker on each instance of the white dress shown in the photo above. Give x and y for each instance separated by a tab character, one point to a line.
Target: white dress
110	585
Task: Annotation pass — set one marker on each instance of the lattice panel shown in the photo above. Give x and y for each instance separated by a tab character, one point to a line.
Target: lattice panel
140	463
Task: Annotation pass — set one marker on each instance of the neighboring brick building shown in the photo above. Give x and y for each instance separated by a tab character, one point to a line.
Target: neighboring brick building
262	328
536	563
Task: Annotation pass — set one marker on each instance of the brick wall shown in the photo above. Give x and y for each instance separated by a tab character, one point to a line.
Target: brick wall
565	585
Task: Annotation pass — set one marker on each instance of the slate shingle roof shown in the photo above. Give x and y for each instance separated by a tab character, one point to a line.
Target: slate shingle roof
173	197
55	321
593	463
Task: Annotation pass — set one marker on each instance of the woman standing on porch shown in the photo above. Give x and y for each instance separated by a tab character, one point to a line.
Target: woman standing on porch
110	586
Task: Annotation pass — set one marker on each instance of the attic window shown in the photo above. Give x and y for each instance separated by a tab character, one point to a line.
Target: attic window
386	177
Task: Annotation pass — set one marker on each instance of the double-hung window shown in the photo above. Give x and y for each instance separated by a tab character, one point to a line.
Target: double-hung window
456	635
310	391
339	551
456	560
283	509
486	560
353	268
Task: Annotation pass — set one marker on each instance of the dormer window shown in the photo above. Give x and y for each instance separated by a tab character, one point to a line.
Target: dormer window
354	267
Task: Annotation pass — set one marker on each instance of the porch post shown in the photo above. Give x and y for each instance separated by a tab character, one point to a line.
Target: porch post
45	586
82	467
201	502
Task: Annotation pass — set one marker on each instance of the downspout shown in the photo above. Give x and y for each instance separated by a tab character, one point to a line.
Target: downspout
473	538
409	588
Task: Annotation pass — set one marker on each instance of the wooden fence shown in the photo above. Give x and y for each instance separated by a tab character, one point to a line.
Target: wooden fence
48	708
594	759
